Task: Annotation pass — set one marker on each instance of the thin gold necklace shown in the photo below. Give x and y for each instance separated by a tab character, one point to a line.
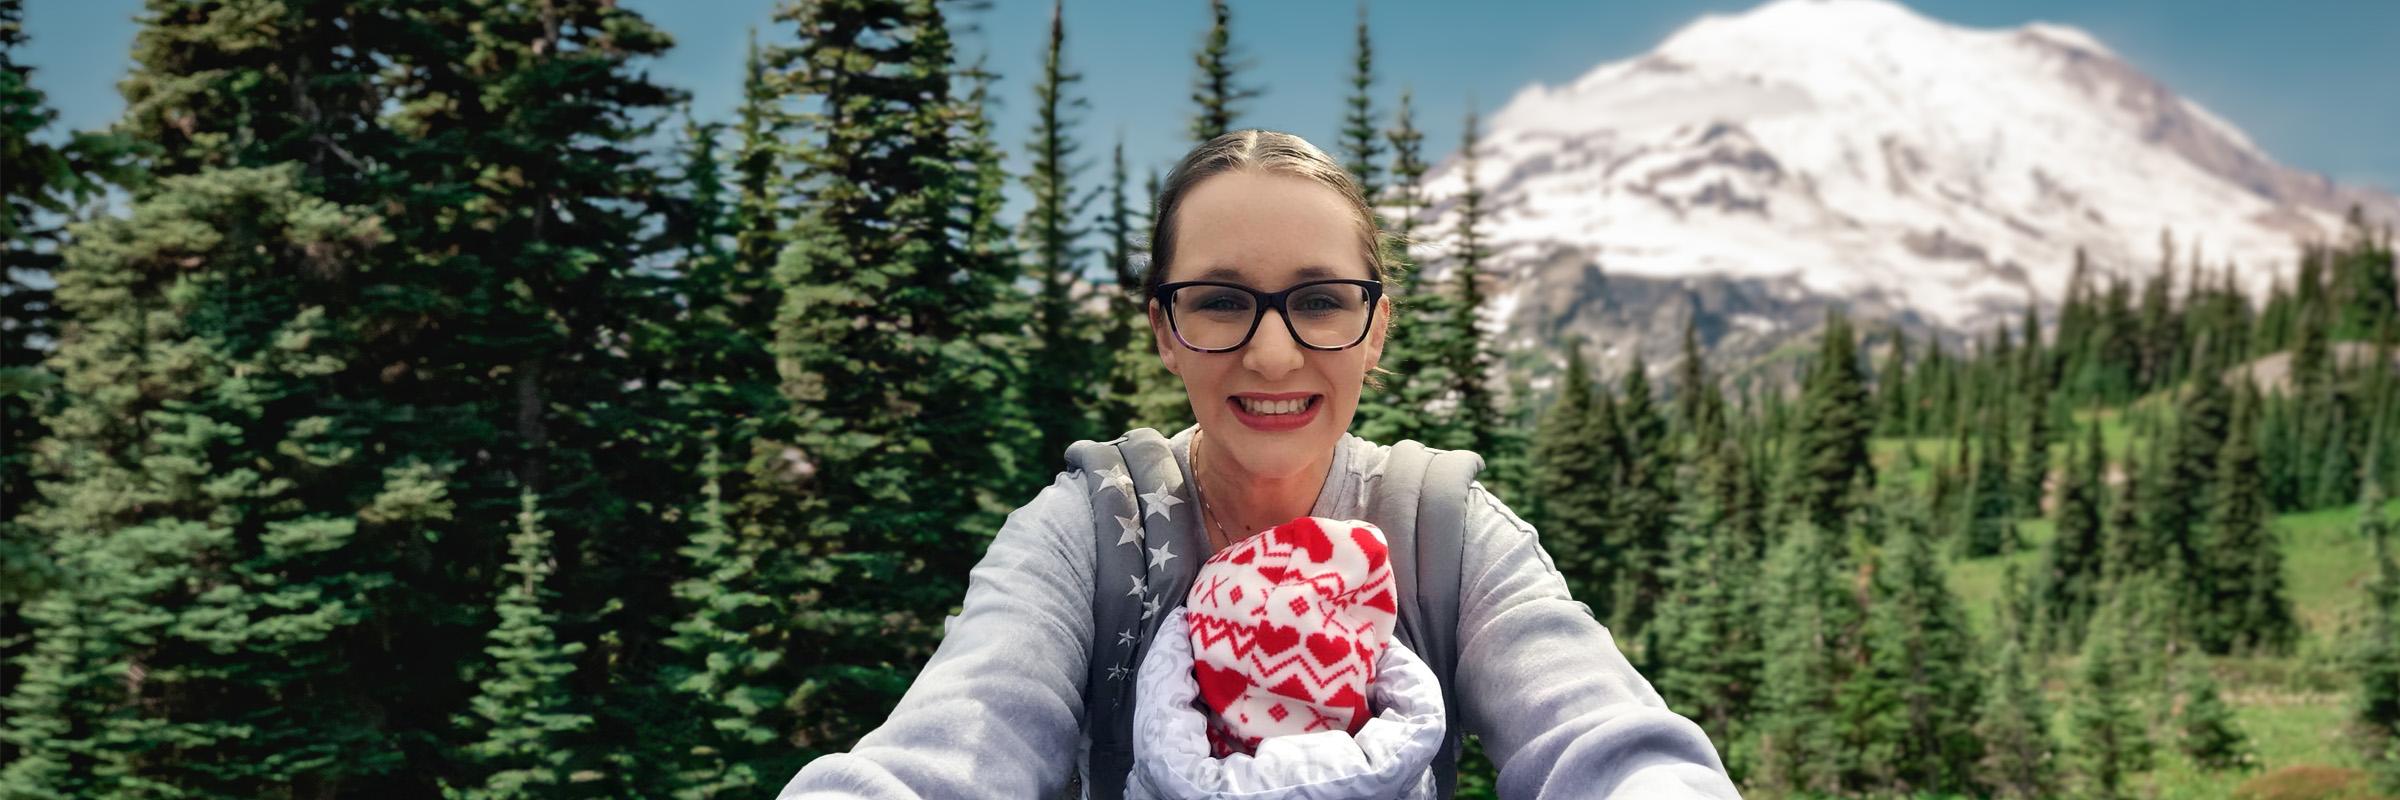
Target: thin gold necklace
1213	519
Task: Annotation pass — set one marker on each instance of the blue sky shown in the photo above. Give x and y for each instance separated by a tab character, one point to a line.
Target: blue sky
2315	83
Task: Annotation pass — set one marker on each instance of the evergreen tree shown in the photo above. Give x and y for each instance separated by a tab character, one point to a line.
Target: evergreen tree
1572	474
2072	568
2366	282
1362	141
1699	404
2248	608
1457	344
2206	730
1831	450
1062	372
1912	702
725	672
1127	331
1408	381
1807	619
2109	741
526	713
1217	91
1893	415
1706	655
915	398
2014	725
2375	717
1990	527
1160	402
2182	502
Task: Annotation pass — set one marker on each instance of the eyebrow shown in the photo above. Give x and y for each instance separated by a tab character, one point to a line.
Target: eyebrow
1310	272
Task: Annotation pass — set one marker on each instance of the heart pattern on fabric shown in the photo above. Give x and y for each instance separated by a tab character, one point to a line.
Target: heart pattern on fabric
1286	634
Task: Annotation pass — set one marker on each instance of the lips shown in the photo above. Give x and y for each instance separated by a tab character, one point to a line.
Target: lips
1275	412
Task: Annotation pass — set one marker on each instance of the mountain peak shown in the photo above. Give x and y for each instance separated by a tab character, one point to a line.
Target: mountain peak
1856	152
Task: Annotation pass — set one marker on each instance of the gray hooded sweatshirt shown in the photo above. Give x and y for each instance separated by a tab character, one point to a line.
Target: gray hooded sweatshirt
998	709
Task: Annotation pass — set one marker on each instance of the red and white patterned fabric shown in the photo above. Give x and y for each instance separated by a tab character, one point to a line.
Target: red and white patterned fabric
1286	630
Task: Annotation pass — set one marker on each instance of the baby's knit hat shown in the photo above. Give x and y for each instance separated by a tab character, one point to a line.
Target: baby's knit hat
1286	628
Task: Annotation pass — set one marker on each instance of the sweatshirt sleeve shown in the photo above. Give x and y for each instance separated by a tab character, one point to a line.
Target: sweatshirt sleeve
998	709
1560	711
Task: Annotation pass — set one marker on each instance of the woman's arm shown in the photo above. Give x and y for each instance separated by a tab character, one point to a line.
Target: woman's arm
998	709
1560	711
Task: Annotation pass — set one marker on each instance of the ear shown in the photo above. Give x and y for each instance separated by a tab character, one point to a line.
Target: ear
1375	333
1163	339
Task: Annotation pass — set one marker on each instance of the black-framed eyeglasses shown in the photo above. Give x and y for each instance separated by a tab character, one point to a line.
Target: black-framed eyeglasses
1218	317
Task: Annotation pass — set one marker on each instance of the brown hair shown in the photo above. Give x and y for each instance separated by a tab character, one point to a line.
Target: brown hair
1274	153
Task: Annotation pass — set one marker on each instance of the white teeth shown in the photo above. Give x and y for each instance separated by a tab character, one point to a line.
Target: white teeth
1272	407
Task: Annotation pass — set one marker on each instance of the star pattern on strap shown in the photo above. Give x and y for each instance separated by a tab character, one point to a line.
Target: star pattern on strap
1116	477
1140	587
1125	637
1133	530
1116	672
1160	555
1150	607
1160	503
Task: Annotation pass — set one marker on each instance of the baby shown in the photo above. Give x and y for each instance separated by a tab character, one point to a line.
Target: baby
1282	660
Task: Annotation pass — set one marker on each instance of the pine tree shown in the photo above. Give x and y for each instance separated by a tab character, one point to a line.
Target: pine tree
1912	701
1807	617
1699	404
1990	527
2206	730
1362	141
1643	519
2014	724
1572	474
1706	658
2181	505
44	183
913	399
1161	401
1062	369
1401	407
2375	717
1457	342
725	673
2072	565
1127	330
1831	451
2109	743
2248	609
526	713
1893	417
1217	90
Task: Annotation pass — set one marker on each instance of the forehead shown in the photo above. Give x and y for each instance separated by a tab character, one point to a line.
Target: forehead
1265	230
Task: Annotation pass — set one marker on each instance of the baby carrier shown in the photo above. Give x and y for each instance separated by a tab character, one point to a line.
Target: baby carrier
1148	547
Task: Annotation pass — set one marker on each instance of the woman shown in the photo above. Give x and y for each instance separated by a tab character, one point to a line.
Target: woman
1263	251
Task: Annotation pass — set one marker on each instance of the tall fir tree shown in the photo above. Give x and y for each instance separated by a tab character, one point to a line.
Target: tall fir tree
1830	451
1706	650
2109	740
1160	402
1362	140
2072	571
1912	701
915	396
2248	608
2014	724
1402	405
1459	349
2205	728
1571	481
1808	619
1642	519
526	713
727	673
1217	90
1059	380
2375	709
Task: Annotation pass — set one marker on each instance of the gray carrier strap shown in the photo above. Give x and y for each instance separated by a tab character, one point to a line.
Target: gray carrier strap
1147	508
1420	502
1147	550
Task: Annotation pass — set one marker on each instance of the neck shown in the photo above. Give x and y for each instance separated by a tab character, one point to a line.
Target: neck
1247	503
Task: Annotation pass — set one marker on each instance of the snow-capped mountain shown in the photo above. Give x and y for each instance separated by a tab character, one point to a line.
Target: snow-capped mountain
1755	167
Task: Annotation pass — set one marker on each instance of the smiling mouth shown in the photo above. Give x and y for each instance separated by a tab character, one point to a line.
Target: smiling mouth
1277	408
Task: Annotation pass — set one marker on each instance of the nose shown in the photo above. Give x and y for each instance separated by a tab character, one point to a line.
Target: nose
1272	353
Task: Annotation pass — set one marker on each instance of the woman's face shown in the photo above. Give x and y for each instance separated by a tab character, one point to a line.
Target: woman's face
1268	232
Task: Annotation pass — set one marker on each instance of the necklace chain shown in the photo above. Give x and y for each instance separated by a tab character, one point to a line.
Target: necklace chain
1203	495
